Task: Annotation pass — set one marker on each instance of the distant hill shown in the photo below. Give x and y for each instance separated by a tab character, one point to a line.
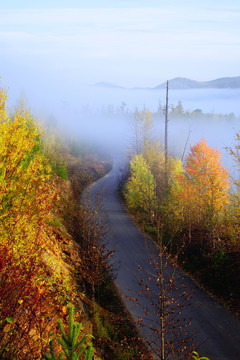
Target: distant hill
184	83
181	83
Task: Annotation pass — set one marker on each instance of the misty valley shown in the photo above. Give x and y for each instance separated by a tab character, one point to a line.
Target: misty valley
102	115
119	180
108	235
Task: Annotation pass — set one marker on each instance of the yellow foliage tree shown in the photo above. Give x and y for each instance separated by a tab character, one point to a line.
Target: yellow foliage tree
167	208
141	188
28	281
27	189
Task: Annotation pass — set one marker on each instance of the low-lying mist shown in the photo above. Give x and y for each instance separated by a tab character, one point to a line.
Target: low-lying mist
101	116
219	134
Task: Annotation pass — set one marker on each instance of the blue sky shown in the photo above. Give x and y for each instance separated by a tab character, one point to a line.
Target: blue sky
78	4
130	43
104	3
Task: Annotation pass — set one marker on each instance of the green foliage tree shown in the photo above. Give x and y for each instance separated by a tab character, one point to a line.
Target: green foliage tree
177	110
73	348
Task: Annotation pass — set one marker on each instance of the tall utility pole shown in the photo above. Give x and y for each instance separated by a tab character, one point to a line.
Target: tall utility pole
166	131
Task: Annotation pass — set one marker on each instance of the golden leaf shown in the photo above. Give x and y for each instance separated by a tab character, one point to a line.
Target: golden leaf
64	309
7	328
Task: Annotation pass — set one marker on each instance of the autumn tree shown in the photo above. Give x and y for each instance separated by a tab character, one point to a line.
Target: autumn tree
26	188
147	192
154	156
27	194
204	194
141	188
142	126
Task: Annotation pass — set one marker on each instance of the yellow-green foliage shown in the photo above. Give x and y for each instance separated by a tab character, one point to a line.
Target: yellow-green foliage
140	190
3	107
26	188
147	190
56	151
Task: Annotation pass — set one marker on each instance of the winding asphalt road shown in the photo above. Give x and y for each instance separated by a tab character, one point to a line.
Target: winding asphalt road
218	332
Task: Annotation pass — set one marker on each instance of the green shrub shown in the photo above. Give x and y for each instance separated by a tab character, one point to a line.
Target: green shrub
73	348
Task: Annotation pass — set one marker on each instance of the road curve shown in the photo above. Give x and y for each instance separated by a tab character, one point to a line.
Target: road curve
218	331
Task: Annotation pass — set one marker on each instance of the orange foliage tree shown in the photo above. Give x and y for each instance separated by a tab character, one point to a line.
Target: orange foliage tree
204	188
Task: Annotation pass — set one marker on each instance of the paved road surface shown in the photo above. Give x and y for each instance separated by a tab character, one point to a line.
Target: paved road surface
218	330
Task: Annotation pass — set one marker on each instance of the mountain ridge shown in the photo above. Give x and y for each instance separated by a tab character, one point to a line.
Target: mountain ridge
185	83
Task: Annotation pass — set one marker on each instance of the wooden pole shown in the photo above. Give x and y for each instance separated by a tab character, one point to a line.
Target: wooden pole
166	132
